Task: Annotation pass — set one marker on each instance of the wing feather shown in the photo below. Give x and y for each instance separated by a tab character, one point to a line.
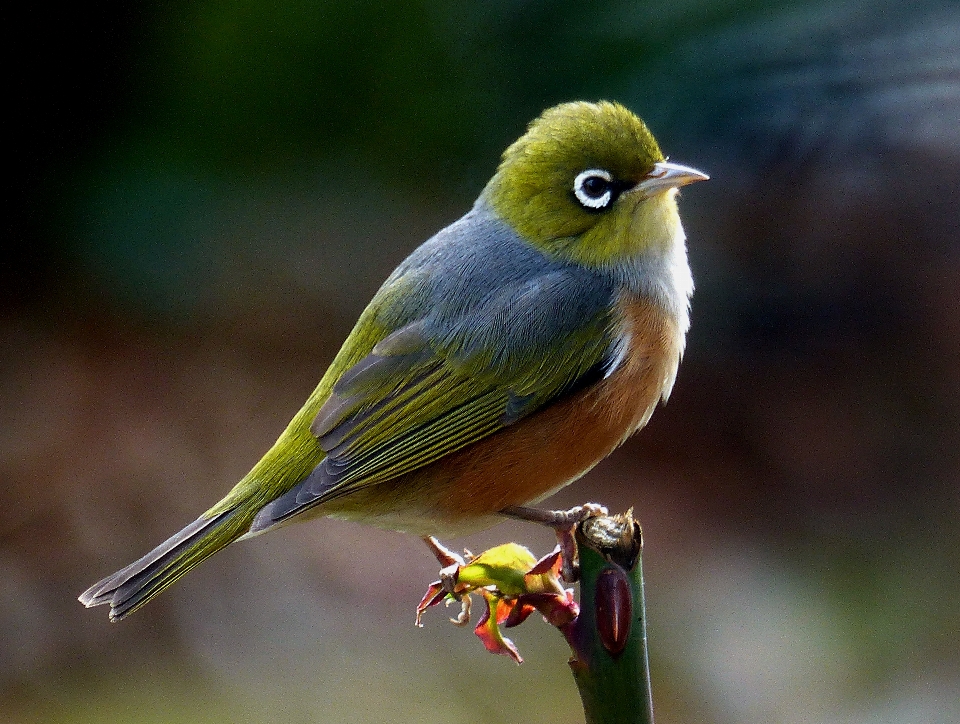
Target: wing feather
439	383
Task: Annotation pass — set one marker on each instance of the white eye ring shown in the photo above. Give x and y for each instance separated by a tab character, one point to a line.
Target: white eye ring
588	200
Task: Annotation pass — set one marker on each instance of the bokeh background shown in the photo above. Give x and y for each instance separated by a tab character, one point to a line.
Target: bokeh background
202	197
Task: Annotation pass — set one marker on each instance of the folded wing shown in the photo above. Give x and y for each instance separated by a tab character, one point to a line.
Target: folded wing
435	386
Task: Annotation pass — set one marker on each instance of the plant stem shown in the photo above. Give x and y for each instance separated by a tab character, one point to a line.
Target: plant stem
609	638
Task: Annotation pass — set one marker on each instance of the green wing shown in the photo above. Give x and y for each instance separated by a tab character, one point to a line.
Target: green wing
431	388
393	413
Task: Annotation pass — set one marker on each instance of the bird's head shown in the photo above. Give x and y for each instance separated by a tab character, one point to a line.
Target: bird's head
587	182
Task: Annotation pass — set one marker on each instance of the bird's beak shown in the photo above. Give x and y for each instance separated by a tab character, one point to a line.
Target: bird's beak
668	176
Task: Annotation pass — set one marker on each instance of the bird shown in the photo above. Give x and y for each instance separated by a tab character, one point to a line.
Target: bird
501	360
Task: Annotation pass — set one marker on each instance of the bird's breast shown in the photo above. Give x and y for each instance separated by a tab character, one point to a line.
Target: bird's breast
644	365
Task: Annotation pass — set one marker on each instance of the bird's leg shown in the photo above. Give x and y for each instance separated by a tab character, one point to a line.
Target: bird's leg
450	563
554	518
564	523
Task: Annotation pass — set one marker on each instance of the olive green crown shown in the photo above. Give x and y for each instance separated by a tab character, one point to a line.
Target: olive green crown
533	187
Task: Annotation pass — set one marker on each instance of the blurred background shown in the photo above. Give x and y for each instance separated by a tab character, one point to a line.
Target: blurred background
204	195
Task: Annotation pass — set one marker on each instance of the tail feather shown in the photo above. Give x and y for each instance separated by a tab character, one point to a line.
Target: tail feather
312	490
131	587
318	487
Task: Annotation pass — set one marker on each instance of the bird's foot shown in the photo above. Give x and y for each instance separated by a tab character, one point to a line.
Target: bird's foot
564	522
554	518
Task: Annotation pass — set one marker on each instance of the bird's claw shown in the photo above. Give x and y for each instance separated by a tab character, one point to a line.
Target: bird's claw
555	518
564	523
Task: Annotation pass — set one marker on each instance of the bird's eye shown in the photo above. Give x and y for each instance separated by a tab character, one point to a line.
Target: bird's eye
594	188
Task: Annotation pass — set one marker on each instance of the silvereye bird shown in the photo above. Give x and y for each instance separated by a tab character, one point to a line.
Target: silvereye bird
502	360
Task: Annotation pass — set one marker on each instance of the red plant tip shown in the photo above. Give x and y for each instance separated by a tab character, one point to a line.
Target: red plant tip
613	602
513	584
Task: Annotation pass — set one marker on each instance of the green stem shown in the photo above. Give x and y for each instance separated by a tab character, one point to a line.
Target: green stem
609	638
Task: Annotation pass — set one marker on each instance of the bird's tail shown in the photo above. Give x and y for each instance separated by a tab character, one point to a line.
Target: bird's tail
131	587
